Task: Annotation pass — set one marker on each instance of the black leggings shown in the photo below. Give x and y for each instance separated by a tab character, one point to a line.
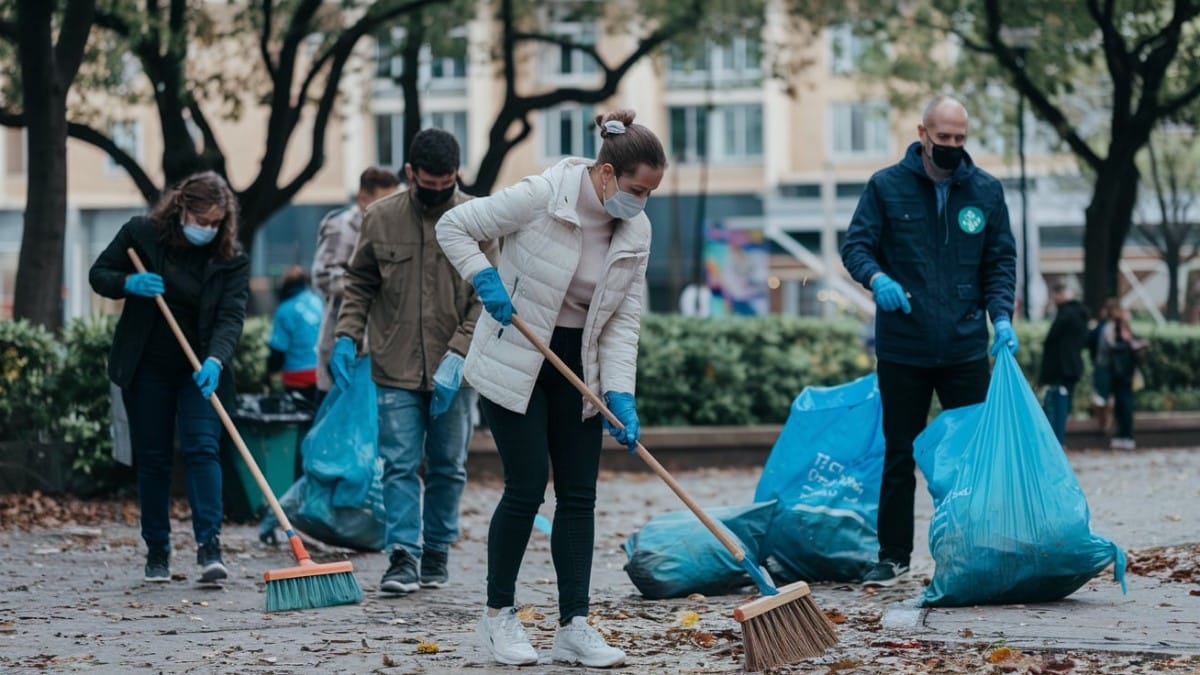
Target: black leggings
550	433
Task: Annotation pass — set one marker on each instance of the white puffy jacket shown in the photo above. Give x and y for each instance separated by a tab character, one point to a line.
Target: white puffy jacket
540	243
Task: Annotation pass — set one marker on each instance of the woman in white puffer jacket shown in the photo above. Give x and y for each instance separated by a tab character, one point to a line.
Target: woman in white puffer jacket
574	246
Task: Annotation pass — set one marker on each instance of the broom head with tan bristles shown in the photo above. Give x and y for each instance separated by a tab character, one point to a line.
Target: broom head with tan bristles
783	628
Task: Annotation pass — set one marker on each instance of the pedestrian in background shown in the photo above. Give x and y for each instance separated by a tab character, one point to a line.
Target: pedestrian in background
189	246
1062	357
1118	352
336	238
1102	403
931	238
294	333
407	306
574	247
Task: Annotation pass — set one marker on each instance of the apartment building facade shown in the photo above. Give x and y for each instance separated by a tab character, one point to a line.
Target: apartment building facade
748	152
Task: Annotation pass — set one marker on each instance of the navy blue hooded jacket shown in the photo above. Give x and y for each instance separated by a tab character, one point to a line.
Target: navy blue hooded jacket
954	265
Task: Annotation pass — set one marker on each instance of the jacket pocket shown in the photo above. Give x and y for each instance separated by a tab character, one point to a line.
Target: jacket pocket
904	231
393	261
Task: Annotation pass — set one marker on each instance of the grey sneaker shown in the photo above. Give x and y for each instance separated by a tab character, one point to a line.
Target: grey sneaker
158	567
433	569
401	575
212	568
885	573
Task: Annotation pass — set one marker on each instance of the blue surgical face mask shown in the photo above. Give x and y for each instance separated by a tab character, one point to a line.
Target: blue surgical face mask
624	205
199	236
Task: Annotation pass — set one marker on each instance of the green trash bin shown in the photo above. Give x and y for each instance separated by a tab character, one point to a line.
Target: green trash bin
272	425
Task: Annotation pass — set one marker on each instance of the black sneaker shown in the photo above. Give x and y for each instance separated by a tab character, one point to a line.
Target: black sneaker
208	557
885	573
158	567
433	569
401	575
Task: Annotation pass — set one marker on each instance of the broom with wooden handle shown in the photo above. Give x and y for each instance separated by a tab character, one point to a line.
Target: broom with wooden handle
783	626
308	584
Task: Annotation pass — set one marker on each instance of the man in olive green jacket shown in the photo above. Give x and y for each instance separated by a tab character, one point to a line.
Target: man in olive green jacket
419	316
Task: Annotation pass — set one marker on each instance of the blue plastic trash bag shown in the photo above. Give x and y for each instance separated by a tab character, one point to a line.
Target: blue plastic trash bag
675	555
1010	522
824	472
308	505
340	449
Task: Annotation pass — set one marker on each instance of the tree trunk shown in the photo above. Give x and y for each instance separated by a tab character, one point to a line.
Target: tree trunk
39	285
1107	221
1172	256
410	80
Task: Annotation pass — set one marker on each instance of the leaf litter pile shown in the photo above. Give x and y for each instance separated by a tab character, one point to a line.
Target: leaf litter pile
1174	563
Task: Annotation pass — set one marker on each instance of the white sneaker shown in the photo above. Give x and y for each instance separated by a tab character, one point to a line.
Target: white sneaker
504	638
578	642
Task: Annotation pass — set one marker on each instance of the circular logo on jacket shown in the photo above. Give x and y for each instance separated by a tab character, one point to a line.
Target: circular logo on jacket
971	220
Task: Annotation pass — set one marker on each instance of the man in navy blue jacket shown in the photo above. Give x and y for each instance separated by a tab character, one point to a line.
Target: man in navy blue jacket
931	239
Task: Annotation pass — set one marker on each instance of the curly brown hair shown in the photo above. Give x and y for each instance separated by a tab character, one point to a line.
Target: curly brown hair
198	194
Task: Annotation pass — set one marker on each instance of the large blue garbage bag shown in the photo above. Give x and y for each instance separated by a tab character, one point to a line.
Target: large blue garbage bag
339	500
824	473
1010	522
340	449
674	555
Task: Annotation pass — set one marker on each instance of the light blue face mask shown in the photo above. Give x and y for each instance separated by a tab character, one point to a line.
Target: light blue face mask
624	205
199	236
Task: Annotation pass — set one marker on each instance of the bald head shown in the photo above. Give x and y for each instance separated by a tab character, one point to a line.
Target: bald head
944	108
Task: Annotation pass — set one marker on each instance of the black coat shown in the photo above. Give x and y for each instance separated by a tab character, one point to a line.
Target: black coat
1062	358
222	308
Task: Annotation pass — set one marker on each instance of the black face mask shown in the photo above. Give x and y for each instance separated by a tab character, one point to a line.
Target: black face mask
432	198
945	157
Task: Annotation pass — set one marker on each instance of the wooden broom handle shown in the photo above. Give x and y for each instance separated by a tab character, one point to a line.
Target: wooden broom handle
216	403
642	452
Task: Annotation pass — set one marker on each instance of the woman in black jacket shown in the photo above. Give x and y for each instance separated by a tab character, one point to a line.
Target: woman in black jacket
189	246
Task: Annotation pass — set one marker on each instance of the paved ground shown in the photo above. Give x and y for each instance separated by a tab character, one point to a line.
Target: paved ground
73	601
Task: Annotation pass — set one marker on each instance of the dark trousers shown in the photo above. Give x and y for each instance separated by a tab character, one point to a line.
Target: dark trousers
549	435
158	403
1122	392
906	393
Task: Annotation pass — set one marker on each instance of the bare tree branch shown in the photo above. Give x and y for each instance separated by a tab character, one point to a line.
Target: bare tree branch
1038	100
212	146
72	38
264	38
141	180
568	43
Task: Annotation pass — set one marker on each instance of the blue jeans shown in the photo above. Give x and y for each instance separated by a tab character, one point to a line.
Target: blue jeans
157	403
1057	405
406	437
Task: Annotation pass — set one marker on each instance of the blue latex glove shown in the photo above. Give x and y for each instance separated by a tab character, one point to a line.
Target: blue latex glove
889	295
493	295
1006	337
208	376
341	362
446	380
145	284
622	405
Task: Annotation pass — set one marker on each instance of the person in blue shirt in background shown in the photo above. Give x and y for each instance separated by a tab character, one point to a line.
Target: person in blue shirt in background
931	239
294	334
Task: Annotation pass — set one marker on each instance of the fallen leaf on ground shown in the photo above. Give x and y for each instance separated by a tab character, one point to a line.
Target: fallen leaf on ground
1000	654
689	619
428	648
900	644
8	627
696	597
835	616
844	664
966	633
389	662
529	614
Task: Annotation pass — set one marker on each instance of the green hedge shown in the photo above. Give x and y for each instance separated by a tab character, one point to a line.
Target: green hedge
690	372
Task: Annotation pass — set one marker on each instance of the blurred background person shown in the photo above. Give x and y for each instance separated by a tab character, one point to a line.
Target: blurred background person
294	333
1062	357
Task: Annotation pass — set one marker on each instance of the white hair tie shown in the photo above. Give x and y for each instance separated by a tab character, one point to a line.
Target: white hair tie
614	127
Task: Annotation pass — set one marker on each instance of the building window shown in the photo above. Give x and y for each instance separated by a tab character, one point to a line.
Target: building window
126	135
442	65
568	132
560	62
846	49
737	63
389	135
731	133
860	129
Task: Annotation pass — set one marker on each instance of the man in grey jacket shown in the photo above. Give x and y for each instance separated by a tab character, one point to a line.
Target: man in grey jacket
417	316
336	237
